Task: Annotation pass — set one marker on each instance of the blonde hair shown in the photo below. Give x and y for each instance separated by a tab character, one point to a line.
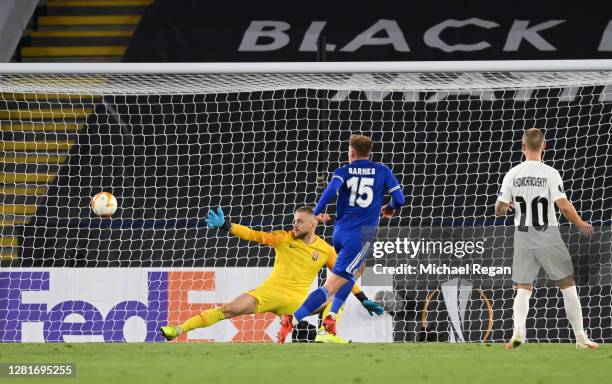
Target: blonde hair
533	139
306	209
361	144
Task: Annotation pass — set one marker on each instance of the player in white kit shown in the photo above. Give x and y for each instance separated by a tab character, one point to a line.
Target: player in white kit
532	189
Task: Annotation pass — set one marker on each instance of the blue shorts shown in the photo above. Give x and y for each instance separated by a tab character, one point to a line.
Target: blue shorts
351	254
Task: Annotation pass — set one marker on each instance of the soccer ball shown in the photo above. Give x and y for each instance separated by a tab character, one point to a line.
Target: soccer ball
104	204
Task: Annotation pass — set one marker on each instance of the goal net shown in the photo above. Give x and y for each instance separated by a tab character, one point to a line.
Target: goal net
260	145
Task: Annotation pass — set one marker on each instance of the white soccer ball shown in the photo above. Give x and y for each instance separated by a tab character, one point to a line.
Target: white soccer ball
104	204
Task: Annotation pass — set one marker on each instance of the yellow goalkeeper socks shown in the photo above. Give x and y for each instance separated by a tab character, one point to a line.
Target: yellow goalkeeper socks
204	319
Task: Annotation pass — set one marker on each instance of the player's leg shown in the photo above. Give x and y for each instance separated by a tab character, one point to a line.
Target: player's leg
315	299
346	270
346	262
573	311
318	297
289	305
520	310
340	296
558	266
241	305
321	295
292	303
525	269
323	336
348	266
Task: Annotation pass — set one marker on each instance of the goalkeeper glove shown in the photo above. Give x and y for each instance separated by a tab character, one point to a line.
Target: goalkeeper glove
373	306
218	220
369	305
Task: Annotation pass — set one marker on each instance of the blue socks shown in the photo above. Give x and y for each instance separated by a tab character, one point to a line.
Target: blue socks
341	295
319	296
316	298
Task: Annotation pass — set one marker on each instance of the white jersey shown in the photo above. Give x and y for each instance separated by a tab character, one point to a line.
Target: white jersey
533	187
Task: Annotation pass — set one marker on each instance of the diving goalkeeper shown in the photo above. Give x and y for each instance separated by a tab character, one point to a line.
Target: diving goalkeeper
299	256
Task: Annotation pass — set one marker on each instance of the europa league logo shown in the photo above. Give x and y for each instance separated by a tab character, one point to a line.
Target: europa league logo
456	294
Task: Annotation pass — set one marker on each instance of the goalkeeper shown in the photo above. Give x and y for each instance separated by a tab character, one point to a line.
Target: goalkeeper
299	256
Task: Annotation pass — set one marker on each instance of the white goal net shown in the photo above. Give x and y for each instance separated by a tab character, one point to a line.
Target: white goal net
260	145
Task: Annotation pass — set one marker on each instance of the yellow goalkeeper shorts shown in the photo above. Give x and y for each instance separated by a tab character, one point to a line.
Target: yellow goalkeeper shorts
277	300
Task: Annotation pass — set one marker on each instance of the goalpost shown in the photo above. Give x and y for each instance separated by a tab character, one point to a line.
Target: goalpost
170	140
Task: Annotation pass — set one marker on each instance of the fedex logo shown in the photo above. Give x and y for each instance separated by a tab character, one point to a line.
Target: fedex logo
82	305
125	305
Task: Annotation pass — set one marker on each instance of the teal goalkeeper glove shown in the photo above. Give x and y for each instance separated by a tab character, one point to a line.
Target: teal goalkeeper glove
217	220
373	306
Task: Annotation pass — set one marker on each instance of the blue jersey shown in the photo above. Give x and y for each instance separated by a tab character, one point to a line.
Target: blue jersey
361	195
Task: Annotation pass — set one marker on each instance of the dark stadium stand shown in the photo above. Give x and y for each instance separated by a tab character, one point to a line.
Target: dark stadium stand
77	30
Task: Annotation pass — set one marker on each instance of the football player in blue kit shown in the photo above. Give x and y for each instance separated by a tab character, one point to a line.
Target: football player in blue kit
360	187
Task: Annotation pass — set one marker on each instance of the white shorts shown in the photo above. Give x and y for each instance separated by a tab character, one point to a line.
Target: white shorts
555	260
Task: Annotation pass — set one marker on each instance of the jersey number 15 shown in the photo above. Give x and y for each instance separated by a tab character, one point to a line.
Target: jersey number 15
361	191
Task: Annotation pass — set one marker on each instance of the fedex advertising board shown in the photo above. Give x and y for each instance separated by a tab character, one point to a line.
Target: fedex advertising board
129	305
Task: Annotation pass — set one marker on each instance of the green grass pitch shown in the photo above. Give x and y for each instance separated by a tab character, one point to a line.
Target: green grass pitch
318	363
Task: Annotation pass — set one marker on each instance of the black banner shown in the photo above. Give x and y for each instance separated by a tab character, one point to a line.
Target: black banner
364	30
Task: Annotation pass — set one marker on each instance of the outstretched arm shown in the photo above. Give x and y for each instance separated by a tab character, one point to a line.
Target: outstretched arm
219	220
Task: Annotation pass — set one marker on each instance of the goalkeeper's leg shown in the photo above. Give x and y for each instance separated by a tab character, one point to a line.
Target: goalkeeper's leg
241	305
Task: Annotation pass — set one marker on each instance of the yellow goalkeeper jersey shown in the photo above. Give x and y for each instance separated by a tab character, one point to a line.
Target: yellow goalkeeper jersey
296	264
